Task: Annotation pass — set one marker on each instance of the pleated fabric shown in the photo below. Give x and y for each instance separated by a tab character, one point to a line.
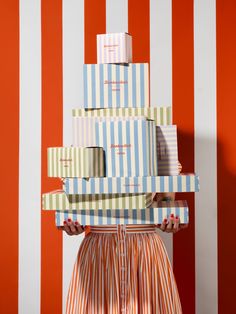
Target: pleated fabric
123	269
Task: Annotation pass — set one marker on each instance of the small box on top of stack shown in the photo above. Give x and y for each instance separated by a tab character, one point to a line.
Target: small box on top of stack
114	48
122	151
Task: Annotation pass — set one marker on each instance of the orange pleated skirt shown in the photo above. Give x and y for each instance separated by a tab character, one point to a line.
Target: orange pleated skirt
123	270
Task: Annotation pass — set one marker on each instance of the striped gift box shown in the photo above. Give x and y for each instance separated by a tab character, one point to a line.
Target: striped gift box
167	150
161	184
84	131
161	115
114	48
130	147
75	162
84	120
116	85
61	201
154	215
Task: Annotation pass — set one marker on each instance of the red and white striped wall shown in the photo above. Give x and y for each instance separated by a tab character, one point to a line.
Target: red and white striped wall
191	48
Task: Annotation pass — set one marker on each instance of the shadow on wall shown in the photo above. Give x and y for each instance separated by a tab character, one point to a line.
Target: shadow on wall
209	239
184	241
226	191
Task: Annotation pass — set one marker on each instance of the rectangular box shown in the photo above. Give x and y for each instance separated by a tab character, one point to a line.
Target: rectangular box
154	215
59	200
160	184
84	120
129	145
161	115
114	48
116	85
76	162
167	150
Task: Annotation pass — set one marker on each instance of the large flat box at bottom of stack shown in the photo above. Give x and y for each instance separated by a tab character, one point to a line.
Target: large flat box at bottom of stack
153	215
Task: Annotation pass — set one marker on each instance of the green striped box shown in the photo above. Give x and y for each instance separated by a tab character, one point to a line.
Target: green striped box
59	200
76	162
161	115
154	215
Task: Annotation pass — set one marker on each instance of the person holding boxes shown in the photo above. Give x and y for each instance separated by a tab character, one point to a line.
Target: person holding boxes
149	283
120	268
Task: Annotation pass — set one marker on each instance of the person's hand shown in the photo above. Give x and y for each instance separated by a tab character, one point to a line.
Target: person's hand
172	225
179	167
71	228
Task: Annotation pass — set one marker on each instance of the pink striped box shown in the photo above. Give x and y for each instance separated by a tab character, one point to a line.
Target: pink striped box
167	150
114	48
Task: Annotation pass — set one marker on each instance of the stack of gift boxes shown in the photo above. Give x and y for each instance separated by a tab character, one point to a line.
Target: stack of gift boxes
123	151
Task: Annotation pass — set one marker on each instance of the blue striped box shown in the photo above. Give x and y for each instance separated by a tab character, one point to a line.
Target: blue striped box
154	215
167	150
161	184
129	145
116	85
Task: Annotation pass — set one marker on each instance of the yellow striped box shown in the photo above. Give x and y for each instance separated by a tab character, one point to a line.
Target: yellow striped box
76	162
116	85
161	115
154	215
59	200
84	120
114	48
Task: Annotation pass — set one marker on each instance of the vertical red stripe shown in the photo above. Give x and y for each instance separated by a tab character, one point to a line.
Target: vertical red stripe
52	110
226	152
183	114
9	97
94	23
139	28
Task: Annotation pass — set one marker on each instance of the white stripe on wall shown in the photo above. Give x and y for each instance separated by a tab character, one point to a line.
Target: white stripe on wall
116	16
161	68
161	52
205	151
30	157
73	59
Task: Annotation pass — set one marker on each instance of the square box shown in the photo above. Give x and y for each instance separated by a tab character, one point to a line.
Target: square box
129	145
114	48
